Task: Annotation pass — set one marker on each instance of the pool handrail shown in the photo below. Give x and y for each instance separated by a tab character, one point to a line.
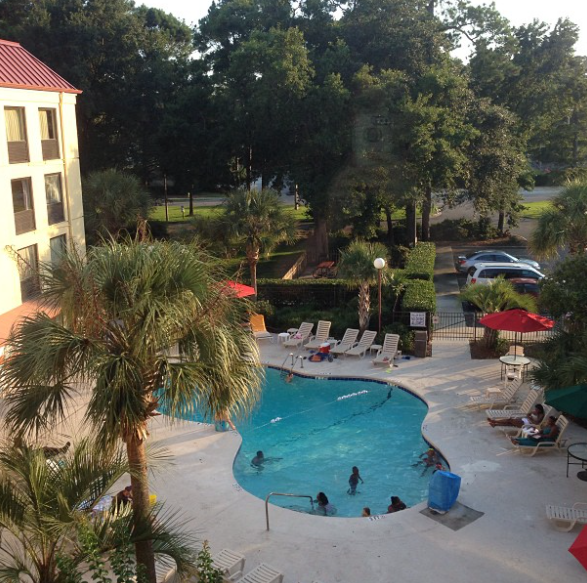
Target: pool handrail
283	494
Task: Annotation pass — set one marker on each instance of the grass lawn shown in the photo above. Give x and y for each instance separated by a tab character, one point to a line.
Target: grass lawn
158	213
533	210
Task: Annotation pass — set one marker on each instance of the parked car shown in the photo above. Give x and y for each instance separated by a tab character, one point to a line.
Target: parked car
526	285
465	262
485	272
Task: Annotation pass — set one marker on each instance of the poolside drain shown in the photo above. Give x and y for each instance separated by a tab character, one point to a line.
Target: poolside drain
458	516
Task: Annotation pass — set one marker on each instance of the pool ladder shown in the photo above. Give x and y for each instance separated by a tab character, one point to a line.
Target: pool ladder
295	357
283	494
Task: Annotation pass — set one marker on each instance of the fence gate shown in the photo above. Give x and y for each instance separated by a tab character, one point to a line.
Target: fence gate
457	326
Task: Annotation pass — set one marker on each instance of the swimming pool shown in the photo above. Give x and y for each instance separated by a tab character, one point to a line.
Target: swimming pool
316	430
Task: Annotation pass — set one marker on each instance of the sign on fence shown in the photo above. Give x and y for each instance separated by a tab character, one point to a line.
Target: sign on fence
417	319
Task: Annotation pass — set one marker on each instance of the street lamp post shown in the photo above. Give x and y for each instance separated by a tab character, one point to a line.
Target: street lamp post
379	264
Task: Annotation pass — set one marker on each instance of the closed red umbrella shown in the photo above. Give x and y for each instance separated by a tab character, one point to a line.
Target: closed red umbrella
517	320
240	289
579	548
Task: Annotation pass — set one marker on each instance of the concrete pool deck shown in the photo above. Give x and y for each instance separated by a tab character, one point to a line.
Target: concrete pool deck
512	542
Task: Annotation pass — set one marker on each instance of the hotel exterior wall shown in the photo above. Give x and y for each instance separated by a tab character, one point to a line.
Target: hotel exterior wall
67	166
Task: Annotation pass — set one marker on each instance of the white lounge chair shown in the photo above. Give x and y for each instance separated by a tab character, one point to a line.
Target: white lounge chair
258	328
558	444
264	573
322	332
496	398
231	564
300	336
564	518
363	345
525	408
387	352
164	572
348	341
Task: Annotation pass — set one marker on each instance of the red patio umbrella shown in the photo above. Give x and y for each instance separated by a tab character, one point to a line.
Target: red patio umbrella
579	548
517	320
240	289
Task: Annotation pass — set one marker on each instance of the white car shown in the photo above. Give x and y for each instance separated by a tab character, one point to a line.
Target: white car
486	272
465	262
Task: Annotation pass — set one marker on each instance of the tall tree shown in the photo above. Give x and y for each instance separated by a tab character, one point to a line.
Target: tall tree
563	223
256	220
356	265
123	309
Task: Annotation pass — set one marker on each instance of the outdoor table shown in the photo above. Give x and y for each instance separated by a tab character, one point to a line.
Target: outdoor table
375	348
324	268
514	362
577	451
282	337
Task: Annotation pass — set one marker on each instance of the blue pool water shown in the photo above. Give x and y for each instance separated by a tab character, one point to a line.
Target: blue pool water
320	428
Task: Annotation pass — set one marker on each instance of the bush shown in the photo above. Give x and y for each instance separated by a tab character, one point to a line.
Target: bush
341	318
420	262
419	296
463	230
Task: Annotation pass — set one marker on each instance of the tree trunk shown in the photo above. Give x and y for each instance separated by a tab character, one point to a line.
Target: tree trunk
411	223
190	194
364	306
321	237
253	259
389	226
426	210
501	222
135	448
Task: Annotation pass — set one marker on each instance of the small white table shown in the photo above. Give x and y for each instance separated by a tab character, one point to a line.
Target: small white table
375	348
515	362
282	337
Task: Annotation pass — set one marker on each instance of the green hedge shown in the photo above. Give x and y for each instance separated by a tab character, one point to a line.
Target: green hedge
420	262
419	296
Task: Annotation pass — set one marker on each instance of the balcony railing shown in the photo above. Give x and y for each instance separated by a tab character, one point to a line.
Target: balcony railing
24	221
50	149
18	152
55	213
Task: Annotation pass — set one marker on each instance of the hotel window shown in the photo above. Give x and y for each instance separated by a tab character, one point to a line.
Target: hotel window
49	143
58	247
22	201
54	196
18	150
28	272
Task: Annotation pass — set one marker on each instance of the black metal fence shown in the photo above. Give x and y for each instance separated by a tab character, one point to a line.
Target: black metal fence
466	326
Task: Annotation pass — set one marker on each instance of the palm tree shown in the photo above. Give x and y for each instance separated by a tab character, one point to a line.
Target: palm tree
258	221
123	309
113	201
356	265
46	507
563	223
497	296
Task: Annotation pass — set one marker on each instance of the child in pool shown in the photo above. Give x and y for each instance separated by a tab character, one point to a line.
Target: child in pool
354	481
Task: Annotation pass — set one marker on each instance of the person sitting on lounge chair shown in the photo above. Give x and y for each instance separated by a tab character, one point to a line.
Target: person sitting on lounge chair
549	433
534	418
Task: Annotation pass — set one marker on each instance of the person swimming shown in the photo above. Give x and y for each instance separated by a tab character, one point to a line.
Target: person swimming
259	460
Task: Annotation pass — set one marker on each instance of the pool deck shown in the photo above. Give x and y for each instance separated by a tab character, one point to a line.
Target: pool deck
512	542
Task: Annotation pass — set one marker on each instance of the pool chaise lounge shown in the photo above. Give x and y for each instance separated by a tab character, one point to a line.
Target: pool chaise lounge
264	573
258	328
363	345
388	351
321	336
498	397
348	341
300	336
525	408
558	444
564	518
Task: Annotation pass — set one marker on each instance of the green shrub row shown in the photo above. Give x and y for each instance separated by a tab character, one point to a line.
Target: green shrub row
419	296
420	262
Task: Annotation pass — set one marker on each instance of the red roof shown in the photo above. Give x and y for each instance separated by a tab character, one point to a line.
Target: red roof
21	70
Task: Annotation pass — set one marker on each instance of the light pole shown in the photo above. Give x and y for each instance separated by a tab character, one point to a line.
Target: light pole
379	264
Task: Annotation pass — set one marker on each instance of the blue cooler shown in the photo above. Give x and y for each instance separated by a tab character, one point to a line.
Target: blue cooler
443	491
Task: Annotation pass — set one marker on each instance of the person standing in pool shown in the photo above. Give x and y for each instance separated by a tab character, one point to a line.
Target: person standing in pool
366	512
396	505
324	506
354	481
260	459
